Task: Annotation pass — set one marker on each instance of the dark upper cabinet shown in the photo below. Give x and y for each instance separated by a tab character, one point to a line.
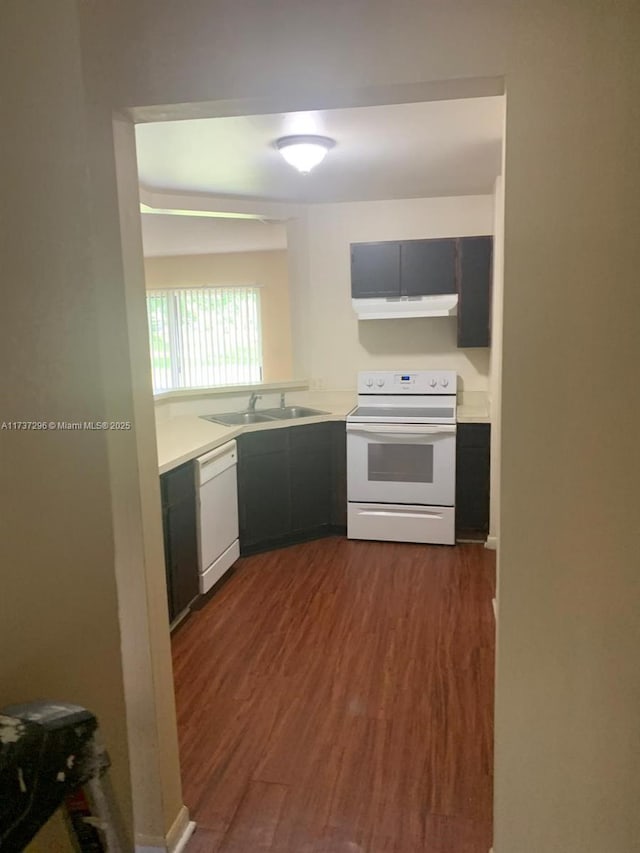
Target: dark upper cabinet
375	270
180	537
474	291
428	267
472	480
408	268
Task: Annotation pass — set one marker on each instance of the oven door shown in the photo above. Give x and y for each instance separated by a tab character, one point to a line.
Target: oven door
401	463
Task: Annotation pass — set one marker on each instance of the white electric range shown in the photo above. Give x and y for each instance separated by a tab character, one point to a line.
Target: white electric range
401	457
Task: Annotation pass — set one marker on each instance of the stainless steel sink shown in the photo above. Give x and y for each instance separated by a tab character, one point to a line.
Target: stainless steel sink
292	412
237	418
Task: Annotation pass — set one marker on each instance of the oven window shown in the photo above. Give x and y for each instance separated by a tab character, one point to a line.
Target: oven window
400	463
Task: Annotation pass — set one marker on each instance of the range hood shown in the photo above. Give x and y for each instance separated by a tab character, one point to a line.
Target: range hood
399	307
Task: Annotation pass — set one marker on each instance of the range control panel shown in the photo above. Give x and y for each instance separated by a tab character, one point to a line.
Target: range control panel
409	382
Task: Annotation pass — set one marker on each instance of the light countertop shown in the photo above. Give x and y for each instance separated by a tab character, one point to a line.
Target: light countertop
473	414
182	434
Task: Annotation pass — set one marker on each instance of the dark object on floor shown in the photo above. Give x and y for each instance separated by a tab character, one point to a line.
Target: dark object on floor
47	752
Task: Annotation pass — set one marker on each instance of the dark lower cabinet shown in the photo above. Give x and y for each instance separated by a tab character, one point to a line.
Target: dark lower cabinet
310	477
339	477
180	537
264	492
472	481
288	480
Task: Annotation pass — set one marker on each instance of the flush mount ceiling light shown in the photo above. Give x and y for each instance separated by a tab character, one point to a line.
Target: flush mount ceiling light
303	152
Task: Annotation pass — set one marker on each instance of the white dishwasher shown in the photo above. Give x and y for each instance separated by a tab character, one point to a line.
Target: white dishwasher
217	494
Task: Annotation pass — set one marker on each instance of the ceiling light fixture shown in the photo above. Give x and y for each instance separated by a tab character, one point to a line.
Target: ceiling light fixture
303	152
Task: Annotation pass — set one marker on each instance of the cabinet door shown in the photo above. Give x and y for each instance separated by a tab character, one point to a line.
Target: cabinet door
263	487
474	299
427	267
182	568
310	477
472	480
167	561
178	485
177	489
375	270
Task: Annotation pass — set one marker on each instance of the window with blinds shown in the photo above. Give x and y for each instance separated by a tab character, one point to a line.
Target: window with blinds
205	336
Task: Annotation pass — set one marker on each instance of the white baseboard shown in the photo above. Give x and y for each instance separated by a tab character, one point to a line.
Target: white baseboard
491	543
183	841
180	832
176	840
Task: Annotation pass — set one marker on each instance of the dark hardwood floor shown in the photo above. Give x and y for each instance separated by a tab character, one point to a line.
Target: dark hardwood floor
337	697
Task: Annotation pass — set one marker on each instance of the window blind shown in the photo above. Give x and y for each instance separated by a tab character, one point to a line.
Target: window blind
204	337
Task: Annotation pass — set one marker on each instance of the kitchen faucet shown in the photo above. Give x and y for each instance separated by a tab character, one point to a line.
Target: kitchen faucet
251	405
282	400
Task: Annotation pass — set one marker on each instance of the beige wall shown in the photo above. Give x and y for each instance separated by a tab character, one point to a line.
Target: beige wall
267	269
135	493
59	628
568	686
334	344
565	777
495	366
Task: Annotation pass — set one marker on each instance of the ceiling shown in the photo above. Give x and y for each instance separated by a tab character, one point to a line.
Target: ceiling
195	235
439	148
396	151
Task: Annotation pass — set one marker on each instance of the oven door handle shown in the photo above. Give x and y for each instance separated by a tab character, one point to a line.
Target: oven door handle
392	429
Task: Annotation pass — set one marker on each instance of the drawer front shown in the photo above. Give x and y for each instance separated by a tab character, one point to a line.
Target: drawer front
401	523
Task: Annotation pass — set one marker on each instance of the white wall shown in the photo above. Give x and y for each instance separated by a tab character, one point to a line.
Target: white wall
338	345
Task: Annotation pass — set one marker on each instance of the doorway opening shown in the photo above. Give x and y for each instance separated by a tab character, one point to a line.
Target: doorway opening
308	224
